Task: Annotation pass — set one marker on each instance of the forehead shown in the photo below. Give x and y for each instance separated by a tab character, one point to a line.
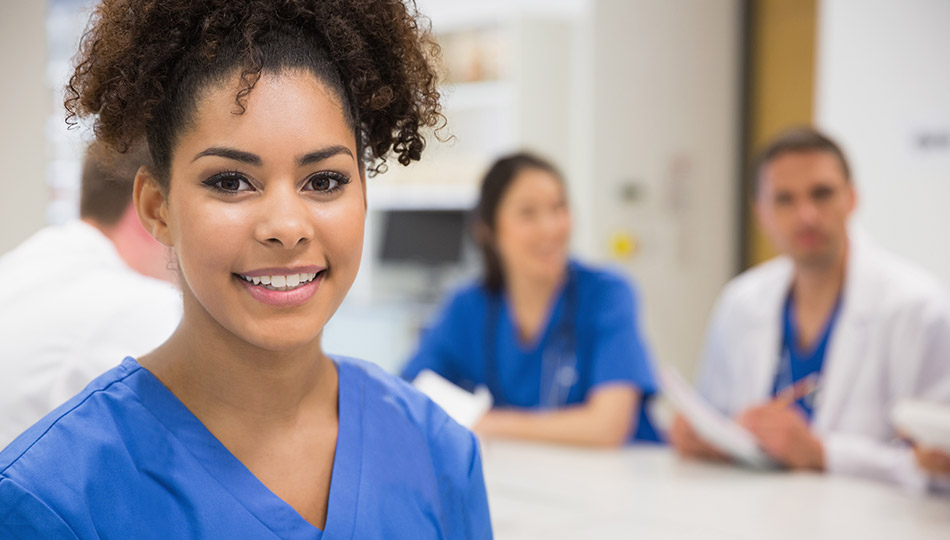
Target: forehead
534	184
283	113
802	170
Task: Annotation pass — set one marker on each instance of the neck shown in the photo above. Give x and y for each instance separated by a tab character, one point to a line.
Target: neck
820	283
529	291
223	379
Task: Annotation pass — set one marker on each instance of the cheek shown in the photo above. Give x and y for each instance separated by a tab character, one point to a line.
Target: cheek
564	225
207	235
340	230
511	237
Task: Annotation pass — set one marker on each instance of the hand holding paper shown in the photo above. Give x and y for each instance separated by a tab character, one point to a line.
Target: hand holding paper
713	427
464	407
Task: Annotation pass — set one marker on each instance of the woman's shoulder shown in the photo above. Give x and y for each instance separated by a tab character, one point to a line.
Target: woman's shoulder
75	434
473	295
601	282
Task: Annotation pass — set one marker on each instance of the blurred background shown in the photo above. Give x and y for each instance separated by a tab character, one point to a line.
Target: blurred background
651	108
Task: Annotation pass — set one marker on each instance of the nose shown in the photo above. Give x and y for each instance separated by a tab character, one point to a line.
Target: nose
808	212
554	222
285	220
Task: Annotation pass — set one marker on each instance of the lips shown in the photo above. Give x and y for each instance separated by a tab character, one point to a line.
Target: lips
281	282
282	287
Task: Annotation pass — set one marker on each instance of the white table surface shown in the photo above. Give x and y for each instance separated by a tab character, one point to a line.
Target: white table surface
550	492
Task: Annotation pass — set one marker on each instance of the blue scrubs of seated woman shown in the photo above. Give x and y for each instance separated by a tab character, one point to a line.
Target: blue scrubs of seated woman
240	426
556	342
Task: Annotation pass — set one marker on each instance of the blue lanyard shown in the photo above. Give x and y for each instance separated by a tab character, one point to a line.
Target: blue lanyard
561	351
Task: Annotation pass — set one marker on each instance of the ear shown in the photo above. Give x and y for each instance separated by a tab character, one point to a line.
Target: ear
854	198
483	234
151	205
759	210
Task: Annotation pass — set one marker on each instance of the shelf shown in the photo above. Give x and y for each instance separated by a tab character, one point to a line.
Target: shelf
390	196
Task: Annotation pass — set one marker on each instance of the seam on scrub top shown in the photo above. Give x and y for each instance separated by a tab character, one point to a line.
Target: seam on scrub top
73	408
41	501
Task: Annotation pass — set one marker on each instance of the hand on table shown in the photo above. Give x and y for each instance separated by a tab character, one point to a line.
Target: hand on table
933	461
687	442
491	424
783	433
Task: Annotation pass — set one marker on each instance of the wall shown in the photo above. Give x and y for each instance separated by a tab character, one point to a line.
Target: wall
883	90
664	148
781	78
24	104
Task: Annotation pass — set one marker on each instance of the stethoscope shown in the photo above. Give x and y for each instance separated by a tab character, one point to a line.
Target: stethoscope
559	371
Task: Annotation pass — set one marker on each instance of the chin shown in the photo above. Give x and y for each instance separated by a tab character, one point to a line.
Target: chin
284	341
815	258
550	270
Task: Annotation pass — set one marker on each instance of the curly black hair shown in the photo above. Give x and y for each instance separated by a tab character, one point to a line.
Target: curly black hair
142	65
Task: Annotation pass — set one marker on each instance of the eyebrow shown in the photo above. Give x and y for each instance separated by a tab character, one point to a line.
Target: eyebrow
230	153
255	160
320	155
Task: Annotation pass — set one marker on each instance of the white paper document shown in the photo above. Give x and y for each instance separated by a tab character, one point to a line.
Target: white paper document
715	428
464	407
925	422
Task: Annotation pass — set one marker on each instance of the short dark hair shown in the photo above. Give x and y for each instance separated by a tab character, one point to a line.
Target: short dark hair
796	140
107	180
494	186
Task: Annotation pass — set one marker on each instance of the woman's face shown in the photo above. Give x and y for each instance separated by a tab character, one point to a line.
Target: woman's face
265	211
533	225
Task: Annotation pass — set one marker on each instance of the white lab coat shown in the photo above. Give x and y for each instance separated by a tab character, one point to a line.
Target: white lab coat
70	309
891	341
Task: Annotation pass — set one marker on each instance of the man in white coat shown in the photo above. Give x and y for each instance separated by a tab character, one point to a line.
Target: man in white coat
810	351
80	297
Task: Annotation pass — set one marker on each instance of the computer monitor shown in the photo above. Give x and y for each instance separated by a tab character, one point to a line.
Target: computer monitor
428	237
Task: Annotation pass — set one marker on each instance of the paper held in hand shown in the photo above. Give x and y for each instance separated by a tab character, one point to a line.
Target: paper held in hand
712	426
464	407
927	423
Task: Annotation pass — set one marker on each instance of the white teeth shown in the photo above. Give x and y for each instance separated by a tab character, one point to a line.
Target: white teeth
281	282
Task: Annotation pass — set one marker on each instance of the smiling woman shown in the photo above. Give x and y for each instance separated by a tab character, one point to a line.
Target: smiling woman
262	119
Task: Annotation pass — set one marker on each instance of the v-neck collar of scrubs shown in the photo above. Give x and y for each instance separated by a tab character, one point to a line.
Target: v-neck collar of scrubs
238	480
531	346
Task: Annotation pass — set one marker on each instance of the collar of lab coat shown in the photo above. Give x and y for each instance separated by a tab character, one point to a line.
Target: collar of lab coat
847	340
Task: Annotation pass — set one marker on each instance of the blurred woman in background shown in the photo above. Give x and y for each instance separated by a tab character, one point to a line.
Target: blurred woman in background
556	342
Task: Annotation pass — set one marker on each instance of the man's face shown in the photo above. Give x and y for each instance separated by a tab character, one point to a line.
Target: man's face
803	204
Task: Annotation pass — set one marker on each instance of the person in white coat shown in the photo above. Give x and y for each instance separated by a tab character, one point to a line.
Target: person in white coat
810	351
81	296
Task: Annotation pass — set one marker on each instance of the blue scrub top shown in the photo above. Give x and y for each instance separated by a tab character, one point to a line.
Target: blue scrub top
126	459
798	364
592	337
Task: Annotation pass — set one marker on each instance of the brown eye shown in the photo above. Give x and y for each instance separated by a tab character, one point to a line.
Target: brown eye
326	182
822	193
229	183
321	183
783	199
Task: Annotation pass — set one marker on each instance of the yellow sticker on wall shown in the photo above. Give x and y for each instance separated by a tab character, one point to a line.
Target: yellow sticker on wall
623	245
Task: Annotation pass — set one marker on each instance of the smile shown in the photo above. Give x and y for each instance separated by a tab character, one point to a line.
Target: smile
281	282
